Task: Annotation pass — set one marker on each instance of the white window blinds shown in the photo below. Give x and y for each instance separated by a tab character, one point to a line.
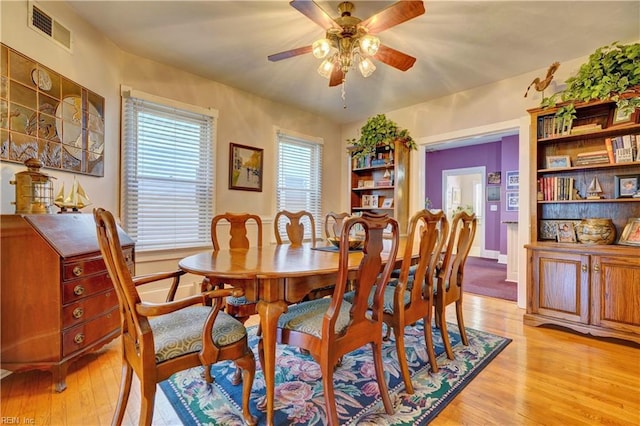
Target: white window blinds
299	185
167	181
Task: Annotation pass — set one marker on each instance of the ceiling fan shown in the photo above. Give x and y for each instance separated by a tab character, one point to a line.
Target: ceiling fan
350	42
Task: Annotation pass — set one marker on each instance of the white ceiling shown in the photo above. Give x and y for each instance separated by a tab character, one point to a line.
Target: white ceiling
458	45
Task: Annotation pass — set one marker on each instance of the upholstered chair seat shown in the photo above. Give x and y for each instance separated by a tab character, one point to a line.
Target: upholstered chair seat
307	317
180	332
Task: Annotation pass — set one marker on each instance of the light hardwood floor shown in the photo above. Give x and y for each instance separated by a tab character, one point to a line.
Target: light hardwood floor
545	376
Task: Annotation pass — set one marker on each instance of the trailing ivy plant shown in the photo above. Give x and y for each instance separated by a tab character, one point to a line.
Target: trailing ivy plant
611	72
380	131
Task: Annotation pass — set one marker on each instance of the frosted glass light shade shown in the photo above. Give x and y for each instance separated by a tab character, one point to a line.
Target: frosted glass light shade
325	68
369	45
366	67
321	48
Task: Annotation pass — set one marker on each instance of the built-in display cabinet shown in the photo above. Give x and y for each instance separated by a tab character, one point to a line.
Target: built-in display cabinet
380	183
585	169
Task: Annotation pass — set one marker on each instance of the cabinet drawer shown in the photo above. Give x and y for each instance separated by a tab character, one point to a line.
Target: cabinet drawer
88	308
73	291
78	337
88	266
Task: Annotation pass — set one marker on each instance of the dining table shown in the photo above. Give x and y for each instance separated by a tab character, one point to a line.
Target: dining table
275	276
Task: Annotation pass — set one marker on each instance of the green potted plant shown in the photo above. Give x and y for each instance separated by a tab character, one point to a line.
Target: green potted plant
611	73
380	131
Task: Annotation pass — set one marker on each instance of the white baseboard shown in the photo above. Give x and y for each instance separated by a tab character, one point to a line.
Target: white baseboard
489	254
502	258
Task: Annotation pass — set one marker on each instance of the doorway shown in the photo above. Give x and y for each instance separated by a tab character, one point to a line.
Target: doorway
463	189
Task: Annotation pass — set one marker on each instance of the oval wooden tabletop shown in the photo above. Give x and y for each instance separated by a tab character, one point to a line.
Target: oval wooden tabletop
269	261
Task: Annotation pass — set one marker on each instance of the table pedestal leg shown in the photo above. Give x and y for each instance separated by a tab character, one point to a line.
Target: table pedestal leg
269	313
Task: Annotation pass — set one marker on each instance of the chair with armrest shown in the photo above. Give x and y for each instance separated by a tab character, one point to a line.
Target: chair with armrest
294	227
329	328
449	278
160	339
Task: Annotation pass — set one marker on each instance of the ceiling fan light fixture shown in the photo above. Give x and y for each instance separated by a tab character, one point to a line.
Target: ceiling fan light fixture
369	45
321	48
366	67
326	68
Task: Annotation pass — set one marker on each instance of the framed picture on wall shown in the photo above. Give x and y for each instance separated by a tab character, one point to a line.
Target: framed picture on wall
494	178
245	167
493	194
513	180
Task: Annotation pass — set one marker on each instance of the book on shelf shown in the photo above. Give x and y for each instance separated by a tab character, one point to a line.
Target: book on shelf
592	157
556	188
586	128
550	126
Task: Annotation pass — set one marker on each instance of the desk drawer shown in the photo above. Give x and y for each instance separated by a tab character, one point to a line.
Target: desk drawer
78	337
88	307
73	291
88	266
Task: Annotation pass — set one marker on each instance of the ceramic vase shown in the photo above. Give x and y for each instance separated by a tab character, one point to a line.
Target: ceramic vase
596	231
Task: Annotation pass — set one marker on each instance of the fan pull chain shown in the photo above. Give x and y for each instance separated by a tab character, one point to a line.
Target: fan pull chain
344	93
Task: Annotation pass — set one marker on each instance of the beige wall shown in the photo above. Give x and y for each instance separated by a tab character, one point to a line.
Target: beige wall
99	65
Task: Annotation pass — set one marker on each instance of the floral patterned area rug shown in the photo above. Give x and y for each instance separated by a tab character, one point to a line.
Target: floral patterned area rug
299	395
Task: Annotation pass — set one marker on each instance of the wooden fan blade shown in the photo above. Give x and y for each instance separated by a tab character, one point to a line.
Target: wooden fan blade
393	15
336	76
289	53
395	58
314	12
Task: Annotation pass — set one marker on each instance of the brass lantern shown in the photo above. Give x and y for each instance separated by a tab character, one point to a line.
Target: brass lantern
34	190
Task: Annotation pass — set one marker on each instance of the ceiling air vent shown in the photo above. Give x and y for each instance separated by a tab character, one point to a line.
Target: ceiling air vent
48	26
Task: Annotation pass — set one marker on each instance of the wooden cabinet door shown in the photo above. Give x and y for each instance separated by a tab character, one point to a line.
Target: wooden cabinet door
615	293
561	285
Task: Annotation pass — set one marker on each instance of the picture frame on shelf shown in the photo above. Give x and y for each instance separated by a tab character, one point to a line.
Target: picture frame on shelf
631	233
627	186
549	228
623	117
494	178
513	180
493	194
566	232
245	167
558	161
370	201
387	203
512	201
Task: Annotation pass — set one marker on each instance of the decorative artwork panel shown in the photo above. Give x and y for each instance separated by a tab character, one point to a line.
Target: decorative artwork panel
47	116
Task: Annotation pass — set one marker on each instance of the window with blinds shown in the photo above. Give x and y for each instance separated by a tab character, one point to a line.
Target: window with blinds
167	181
299	174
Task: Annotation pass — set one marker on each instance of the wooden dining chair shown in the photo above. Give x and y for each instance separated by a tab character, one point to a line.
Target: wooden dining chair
409	298
450	276
238	307
329	328
160	339
333	224
294	227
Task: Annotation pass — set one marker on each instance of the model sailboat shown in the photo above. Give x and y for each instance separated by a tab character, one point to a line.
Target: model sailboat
594	191
75	200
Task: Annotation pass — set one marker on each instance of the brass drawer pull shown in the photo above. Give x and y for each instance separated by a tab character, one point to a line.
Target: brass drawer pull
77	271
596	267
78	312
584	268
79	338
78	290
